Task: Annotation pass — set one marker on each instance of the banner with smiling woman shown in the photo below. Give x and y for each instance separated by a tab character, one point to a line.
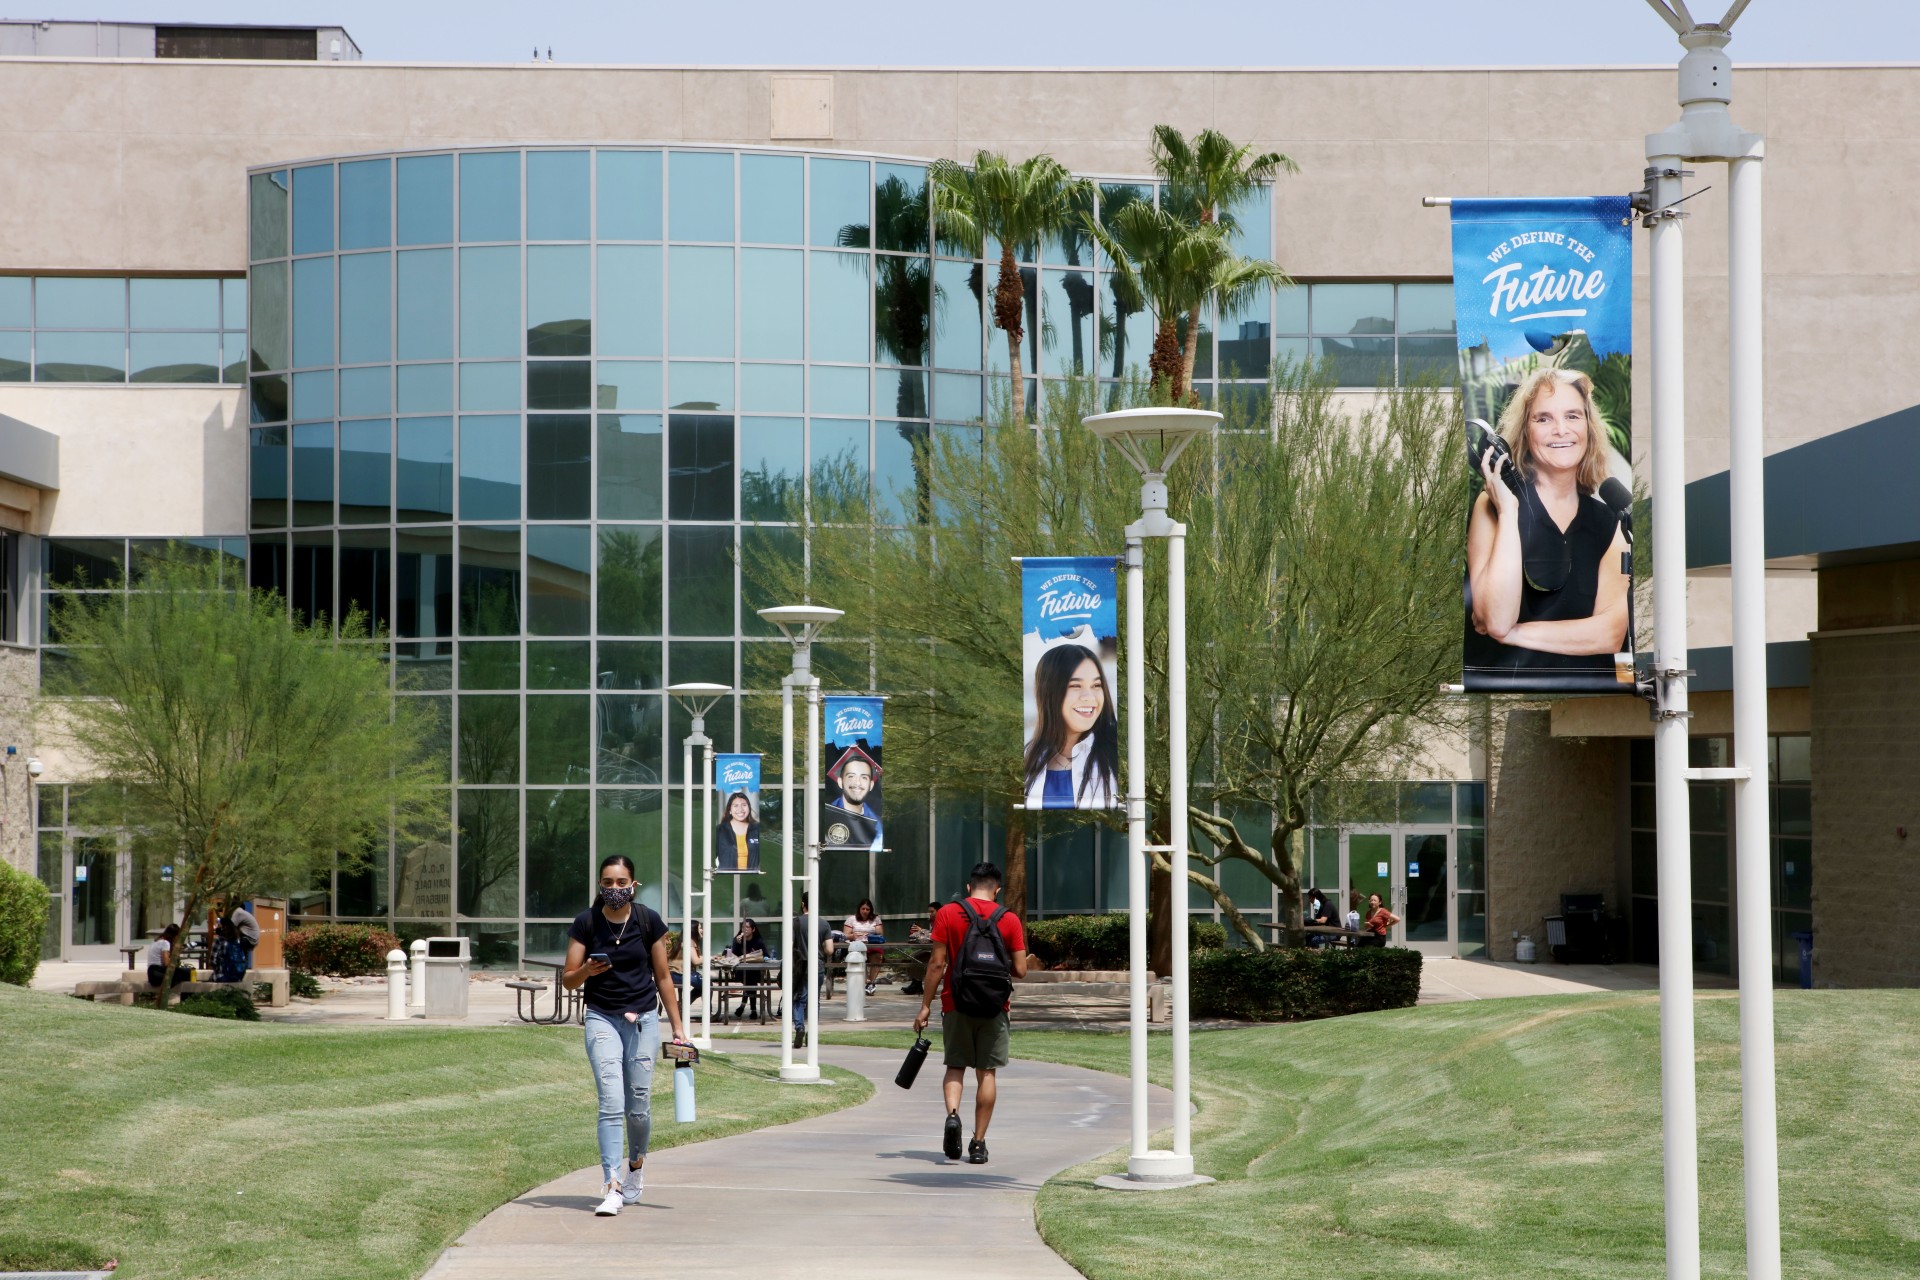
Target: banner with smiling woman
1543	305
850	812
1070	622
736	844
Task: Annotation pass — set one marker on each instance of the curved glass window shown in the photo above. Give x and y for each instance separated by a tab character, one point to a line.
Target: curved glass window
526	409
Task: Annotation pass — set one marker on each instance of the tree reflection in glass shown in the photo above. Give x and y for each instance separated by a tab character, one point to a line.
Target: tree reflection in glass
903	288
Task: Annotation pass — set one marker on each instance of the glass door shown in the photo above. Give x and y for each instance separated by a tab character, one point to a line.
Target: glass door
95	904
1424	881
1369	855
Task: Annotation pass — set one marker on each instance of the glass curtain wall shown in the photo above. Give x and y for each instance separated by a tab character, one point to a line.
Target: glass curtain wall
526	408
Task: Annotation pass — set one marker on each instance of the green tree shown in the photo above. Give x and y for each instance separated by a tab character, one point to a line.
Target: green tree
1016	205
1177	265
1323	613
254	748
1208	179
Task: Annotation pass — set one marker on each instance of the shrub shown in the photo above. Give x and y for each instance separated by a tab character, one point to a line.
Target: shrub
230	1003
304	985
23	918
343	950
1100	942
1288	984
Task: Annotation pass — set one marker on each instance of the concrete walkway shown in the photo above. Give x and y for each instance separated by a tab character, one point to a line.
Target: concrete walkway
823	1197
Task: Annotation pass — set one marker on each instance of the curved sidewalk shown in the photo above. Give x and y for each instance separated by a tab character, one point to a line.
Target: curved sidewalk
862	1191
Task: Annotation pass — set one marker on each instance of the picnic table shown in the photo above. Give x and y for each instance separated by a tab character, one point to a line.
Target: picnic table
568	1006
1335	935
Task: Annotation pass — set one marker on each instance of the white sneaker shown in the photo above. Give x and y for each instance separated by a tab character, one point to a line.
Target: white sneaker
611	1205
634	1183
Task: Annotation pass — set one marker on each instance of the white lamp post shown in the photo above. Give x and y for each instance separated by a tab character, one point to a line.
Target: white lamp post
1706	132
696	699
800	623
1152	439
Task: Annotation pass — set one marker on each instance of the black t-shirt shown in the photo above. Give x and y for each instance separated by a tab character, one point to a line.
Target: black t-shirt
1587	538
628	987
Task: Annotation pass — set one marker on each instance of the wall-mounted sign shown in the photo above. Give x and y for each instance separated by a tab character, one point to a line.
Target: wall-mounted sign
1383	869
166	872
80	874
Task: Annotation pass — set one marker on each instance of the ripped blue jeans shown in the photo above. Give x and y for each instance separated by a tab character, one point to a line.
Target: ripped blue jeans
622	1055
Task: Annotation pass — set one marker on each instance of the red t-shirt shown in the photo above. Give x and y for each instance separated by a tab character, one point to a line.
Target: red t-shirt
1380	921
950	927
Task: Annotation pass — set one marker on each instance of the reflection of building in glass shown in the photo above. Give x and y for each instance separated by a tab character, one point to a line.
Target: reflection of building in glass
527	405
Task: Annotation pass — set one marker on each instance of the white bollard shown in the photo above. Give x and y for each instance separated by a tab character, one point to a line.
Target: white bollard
857	980
417	989
396	985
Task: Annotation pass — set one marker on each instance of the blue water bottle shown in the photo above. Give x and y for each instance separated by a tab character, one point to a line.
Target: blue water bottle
683	1108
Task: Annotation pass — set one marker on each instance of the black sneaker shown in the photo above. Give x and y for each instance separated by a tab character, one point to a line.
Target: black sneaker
912	989
950	1139
977	1151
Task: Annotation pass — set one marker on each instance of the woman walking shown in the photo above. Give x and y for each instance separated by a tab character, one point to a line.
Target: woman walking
618	949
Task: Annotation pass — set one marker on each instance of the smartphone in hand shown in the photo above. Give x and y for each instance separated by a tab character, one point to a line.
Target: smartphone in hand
598	957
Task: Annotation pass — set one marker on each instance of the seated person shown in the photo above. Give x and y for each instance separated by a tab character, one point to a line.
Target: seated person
749	944
157	953
915	963
673	959
1318	911
864	924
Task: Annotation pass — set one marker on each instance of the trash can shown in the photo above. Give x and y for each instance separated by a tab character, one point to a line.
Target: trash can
448	962
1805	938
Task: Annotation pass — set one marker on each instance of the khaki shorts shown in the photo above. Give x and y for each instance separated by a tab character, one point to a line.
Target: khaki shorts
967	1041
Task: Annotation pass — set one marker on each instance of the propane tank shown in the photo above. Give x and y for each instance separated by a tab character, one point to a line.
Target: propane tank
1524	950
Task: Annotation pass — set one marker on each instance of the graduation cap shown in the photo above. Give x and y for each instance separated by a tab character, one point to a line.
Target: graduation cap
853	753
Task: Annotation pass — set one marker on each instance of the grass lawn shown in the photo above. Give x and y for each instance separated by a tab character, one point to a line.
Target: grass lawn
190	1147
1506	1138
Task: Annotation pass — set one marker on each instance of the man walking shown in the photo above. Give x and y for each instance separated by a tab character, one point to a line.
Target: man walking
979	952
812	949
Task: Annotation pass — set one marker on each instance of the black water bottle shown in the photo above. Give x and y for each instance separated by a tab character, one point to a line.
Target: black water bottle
910	1069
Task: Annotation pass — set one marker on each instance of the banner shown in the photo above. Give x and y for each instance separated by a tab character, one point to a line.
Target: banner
1070	622
850	811
1543	307
736	843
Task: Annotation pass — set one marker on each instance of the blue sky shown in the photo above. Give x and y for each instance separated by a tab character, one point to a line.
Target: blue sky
1100	33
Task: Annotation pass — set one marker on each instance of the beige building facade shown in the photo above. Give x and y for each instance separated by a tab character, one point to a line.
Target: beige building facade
145	169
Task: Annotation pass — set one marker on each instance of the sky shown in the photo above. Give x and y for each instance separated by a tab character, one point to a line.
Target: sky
1055	33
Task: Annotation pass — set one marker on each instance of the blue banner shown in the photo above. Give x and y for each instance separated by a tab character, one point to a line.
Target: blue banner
736	843
850	809
1070	620
1543	311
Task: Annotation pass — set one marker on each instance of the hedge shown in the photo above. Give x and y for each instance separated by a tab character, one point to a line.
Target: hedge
1100	942
343	950
229	1003
1292	984
23	920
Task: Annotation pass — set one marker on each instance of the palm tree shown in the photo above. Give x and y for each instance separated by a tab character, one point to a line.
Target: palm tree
1015	204
1177	264
1207	179
903	288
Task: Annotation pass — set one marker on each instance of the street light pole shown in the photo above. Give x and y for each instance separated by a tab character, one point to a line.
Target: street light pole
696	699
1706	132
800	624
1152	440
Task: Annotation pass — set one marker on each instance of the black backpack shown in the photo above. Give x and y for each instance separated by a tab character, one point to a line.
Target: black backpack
982	969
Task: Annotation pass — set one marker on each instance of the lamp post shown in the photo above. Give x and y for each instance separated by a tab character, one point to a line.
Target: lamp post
1144	435
696	700
1706	132
801	624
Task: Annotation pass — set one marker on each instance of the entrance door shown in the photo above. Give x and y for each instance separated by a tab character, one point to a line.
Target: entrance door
91	886
1411	868
1370	853
1425	871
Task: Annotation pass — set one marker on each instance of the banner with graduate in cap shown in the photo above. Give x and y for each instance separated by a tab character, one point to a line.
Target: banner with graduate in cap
850	810
1543	307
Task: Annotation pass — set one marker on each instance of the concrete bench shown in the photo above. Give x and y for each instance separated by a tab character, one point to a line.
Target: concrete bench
128	989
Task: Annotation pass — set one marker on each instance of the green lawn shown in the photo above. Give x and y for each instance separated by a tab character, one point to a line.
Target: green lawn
1506	1138
189	1147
